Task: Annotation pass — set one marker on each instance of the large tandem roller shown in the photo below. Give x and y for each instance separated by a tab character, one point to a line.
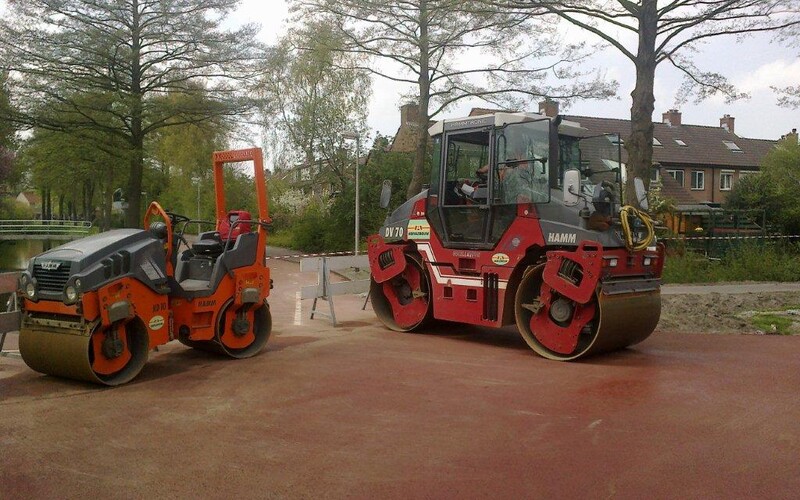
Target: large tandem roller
94	308
521	224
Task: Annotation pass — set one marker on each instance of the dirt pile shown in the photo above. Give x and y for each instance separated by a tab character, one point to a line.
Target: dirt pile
745	313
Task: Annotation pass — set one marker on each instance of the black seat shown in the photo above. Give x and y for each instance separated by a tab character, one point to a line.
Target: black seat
208	245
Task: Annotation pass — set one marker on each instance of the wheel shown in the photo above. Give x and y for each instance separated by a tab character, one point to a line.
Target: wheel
117	353
554	326
403	303
243	333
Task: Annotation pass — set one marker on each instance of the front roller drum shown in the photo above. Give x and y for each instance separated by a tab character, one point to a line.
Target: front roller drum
106	355
559	329
403	303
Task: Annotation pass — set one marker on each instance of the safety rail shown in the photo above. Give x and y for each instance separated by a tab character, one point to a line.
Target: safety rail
44	226
9	315
53	229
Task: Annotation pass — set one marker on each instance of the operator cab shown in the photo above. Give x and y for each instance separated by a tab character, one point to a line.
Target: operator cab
488	168
232	243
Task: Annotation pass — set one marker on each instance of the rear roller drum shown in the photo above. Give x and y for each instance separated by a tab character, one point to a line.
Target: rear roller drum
110	355
403	303
554	326
559	328
239	333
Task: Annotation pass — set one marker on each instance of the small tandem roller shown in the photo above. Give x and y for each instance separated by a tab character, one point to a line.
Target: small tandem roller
94	308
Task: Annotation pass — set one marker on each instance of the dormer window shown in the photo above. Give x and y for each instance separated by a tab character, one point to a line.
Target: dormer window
732	146
680	143
657	143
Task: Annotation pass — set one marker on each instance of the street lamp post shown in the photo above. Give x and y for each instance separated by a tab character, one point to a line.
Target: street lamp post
353	135
196	180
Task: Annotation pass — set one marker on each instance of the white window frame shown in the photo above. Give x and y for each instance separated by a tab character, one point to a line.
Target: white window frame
702	177
672	172
726	173
655	175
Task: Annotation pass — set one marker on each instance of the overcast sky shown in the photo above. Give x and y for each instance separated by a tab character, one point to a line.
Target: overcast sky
754	66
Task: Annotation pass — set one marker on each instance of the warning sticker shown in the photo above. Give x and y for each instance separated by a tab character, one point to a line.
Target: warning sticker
500	259
419	230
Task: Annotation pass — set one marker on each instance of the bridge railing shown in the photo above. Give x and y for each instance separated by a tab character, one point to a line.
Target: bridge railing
44	227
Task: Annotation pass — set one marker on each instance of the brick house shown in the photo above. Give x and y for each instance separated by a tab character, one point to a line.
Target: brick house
704	161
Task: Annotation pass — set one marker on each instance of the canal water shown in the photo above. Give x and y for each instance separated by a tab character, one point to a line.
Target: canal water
15	255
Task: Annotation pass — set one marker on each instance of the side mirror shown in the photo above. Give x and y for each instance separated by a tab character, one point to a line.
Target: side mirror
386	193
572	187
641	193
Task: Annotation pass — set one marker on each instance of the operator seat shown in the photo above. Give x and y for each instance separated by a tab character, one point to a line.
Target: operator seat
209	245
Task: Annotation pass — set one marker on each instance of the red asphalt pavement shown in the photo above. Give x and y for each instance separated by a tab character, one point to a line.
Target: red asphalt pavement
362	412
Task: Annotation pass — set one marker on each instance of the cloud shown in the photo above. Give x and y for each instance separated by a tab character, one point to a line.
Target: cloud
778	73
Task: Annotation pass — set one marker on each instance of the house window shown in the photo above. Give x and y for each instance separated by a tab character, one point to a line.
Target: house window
655	176
745	173
657	143
726	180
615	139
698	180
680	143
677	175
732	146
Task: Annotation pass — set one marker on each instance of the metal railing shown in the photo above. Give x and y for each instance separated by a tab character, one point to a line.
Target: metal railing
43	227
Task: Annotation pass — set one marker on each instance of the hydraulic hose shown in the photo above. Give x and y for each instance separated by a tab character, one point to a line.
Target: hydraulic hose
626	214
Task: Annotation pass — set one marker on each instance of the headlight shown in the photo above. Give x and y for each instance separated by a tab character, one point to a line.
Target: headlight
647	261
30	290
71	293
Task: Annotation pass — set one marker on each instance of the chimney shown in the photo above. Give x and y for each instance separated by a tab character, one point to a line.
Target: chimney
726	122
548	108
672	118
409	114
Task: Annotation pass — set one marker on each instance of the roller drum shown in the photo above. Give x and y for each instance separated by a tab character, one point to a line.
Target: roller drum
57	353
625	319
67	351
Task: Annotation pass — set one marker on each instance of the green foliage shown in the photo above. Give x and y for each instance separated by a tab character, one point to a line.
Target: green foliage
11	209
318	228
772	323
774	189
748	262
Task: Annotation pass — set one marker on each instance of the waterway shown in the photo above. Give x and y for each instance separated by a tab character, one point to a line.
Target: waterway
15	255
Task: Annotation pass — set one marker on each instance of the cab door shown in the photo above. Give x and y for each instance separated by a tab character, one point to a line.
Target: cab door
459	211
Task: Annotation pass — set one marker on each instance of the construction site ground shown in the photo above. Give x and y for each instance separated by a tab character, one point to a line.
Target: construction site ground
359	411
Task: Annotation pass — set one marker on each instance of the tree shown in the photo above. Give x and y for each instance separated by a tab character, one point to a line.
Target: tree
308	99
6	132
132	52
424	42
774	189
654	34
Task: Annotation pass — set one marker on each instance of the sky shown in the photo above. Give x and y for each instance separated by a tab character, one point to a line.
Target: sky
754	66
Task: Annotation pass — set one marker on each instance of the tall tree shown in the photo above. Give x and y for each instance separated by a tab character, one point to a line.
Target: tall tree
6	132
132	51
427	43
311	95
651	32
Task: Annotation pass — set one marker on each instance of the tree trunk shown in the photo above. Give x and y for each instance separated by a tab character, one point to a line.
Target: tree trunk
418	172
640	143
137	136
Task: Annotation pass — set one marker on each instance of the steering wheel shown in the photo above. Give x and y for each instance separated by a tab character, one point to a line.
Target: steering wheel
176	219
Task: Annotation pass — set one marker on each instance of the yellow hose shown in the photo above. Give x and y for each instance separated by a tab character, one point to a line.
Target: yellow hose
625	213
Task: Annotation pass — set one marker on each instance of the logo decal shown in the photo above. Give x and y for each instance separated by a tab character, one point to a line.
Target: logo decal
500	259
393	232
50	265
419	230
156	322
562	238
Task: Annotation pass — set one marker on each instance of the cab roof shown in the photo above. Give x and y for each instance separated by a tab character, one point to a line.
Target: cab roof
501	119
